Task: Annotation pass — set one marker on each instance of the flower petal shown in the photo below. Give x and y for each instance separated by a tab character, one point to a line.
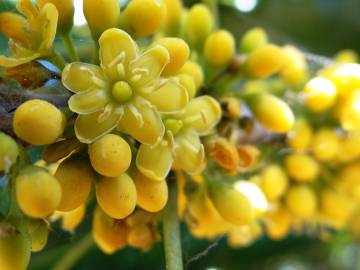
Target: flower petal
48	18
88	128
27	8
142	122
16	61
87	102
202	114
116	47
154	161
82	77
170	97
189	152
147	67
13	26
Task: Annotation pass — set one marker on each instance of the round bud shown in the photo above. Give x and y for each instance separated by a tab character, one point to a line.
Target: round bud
264	61
195	71
70	220
299	138
346	56
272	113
101	15
140	236
277	224
109	234
75	177
301	201
173	13
151	195
110	155
145	17
15	250
37	192
302	167
188	83
9	152
38	122
199	24
253	39
325	144
294	70
116	196
39	232
219	48
231	204
319	94
66	13
274	182
179	53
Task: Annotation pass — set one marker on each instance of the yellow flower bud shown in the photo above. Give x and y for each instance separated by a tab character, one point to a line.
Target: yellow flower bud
350	148
15	251
109	234
9	152
253	39
70	220
302	167
346	77
346	56
264	61
173	12
231	204
116	196
274	182
37	192
144	17
39	232
294	69
140	236
219	48
195	71
139	216
151	195
272	113
277	224
66	13
319	94
349	112
179	53
38	122
349	177
12	26
75	177
231	107
301	201
101	15
110	155
188	83
199	24
299	138
325	144
336	207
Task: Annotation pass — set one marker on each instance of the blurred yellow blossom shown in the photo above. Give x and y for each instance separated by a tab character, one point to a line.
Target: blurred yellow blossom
30	37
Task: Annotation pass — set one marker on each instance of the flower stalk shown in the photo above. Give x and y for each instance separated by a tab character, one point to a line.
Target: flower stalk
171	232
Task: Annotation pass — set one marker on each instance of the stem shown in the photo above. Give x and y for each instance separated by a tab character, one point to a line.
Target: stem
95	59
214	8
57	59
171	232
69	44
74	254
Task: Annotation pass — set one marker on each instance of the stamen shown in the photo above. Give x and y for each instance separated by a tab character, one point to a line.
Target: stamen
193	118
141	71
170	140
137	115
136	77
121	70
118	59
105	114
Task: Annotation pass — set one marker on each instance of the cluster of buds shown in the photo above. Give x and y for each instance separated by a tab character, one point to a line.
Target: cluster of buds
253	142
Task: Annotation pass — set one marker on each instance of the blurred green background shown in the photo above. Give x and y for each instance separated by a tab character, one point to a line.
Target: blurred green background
318	26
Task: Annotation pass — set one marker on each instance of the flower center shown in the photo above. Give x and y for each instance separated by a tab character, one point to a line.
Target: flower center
122	91
173	125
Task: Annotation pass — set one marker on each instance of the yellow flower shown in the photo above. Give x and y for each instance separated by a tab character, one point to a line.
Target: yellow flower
29	38
126	91
183	145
